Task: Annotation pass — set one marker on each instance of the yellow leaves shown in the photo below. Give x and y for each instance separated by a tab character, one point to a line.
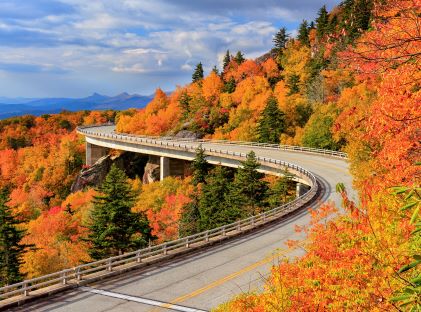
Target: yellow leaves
294	61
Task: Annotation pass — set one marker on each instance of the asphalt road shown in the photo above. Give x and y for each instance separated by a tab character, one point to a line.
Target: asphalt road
205	279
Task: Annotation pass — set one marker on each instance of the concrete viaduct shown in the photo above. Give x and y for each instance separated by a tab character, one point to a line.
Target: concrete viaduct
204	279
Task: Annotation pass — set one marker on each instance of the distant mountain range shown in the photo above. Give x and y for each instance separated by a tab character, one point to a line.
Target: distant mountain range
10	107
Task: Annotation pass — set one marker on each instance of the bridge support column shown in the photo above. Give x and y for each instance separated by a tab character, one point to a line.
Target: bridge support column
94	152
164	167
301	189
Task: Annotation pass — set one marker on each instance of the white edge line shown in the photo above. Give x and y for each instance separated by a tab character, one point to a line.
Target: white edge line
140	300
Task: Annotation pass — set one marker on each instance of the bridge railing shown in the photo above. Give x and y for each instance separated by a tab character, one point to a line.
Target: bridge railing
84	129
88	271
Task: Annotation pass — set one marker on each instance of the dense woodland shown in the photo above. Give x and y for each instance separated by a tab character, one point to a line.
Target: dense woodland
350	81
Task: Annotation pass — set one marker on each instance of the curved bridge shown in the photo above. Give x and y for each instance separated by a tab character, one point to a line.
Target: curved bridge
201	280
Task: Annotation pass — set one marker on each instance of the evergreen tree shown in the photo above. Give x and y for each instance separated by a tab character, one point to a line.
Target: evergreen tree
280	40
114	228
303	33
215	70
272	122
312	26
356	18
200	167
239	58
303	113
184	102
333	23
227	60
189	221
322	22
11	250
278	194
198	73
293	84
248	192
212	208
230	85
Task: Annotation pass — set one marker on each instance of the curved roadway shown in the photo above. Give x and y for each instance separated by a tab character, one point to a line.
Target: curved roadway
203	280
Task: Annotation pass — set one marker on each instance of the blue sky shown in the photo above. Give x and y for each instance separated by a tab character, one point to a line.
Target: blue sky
71	48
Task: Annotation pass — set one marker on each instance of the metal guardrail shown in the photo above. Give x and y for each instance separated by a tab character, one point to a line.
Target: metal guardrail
332	153
103	267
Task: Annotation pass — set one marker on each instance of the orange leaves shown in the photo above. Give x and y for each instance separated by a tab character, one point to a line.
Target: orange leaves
55	234
394	40
211	87
270	68
246	69
162	202
160	116
164	222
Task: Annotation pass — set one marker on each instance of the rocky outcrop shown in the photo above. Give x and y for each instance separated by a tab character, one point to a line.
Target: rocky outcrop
132	164
151	173
186	134
93	175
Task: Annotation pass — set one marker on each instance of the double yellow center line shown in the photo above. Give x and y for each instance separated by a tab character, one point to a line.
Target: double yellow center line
280	252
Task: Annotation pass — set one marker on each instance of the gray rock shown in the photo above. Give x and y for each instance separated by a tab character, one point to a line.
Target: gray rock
93	175
133	165
186	134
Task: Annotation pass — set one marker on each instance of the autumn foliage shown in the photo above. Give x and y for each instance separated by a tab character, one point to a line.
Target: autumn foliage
353	262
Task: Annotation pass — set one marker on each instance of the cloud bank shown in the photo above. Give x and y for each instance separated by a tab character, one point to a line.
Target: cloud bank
75	47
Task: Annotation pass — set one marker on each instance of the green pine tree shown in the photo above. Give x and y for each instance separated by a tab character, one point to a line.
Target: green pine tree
357	15
280	40
278	194
198	73
184	102
200	166
215	70
322	22
248	192
11	250
293	84
189	220
239	58
212	208
303	33
230	85
227	60
272	122
114	228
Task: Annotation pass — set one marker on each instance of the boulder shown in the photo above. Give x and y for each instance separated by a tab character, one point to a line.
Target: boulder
93	175
186	134
133	165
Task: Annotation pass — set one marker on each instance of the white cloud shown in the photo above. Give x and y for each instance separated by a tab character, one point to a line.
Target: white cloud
107	39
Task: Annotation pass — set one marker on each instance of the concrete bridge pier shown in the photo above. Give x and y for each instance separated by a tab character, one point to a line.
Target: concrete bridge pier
164	167
301	189
94	152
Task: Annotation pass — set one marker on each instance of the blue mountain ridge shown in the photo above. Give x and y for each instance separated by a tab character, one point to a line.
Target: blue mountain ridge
22	106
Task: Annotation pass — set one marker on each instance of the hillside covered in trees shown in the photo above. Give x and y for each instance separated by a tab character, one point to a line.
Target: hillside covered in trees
349	81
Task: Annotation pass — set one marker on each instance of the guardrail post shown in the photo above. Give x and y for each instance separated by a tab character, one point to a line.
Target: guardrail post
207	236
78	275
253	220
25	289
223	230
187	242
63	278
264	217
165	249
138	260
238	227
110	265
